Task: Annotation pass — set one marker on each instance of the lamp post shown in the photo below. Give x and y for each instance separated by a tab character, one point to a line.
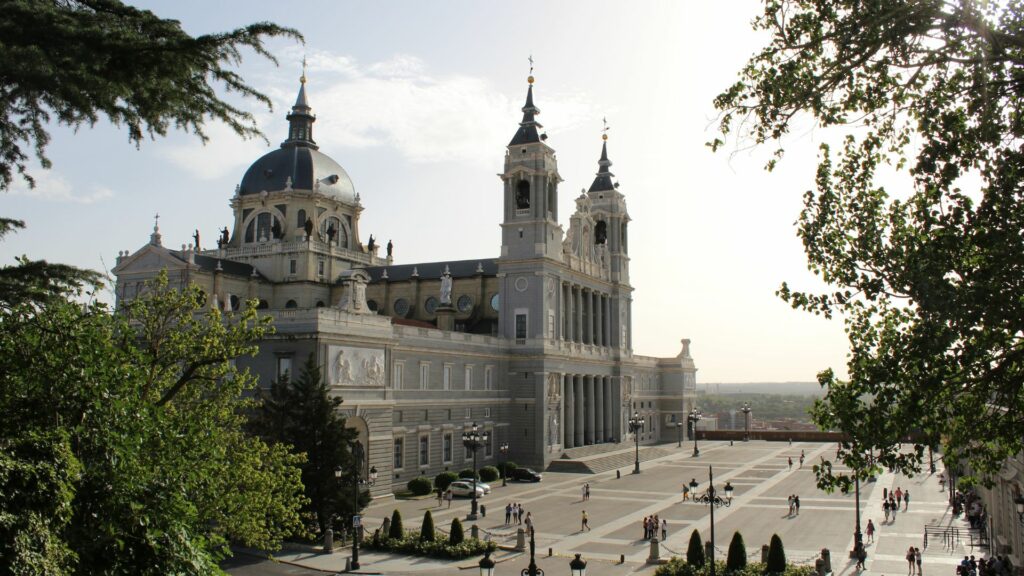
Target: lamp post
712	499
486	565
578	566
1019	503
858	538
473	439
357	460
679	434
746	421
636	424
694	417
532	569
504	461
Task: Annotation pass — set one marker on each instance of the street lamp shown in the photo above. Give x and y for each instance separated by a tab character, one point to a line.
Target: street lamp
473	439
504	461
487	565
636	424
357	459
1019	502
578	566
694	417
679	434
532	569
746	421
711	498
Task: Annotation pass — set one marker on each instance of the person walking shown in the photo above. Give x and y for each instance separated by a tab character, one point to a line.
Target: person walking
790	462
508	513
440	497
898	494
801	458
686	491
448	497
885	508
790	499
529	523
586	491
862	556
796	504
906	500
584	522
917	560
664	530
910	561
871	531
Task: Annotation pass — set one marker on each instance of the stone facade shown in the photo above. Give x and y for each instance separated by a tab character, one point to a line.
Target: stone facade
535	345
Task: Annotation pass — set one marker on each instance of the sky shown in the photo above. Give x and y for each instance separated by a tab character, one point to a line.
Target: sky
417	101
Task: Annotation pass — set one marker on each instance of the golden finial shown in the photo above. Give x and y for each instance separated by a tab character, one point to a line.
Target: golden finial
302	78
530	77
604	131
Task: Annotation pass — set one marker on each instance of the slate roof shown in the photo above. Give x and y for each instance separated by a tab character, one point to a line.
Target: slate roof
209	264
603	181
433	270
527	132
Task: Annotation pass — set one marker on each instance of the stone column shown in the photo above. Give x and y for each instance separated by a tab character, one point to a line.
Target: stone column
577	314
569	421
588	387
578	414
599	436
595	316
609	426
600	320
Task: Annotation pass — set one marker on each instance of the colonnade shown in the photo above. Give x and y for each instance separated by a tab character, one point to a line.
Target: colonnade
586	315
590	406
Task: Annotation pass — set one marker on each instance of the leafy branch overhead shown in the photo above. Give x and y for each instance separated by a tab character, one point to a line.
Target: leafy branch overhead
927	278
75	61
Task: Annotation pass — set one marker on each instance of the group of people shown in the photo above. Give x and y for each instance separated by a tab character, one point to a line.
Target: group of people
914	561
891	502
789	459
794	505
651	526
514	514
998	565
585	492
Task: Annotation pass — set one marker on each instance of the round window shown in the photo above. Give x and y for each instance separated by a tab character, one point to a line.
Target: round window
431	305
401	307
495	302
465	303
521	284
372	305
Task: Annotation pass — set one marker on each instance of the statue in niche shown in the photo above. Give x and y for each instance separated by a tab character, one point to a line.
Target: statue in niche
331	233
308	226
391	248
343	368
446	287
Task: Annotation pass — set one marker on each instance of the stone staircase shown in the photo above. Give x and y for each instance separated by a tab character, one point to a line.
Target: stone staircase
603	457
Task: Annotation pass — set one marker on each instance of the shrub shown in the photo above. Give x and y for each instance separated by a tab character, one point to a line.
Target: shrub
488	474
444	479
695	552
468	474
776	556
678	567
439	547
427	530
456	536
420	486
508	467
396	530
737	558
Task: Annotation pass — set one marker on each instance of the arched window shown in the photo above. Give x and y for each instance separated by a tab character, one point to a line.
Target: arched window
300	220
522	195
601	232
291	304
236	303
333	232
263	305
264	222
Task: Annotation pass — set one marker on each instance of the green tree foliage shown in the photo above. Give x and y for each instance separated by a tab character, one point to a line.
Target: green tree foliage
122	440
427	528
776	556
737	557
301	414
456	535
695	551
927	277
420	486
396	530
489	474
444	479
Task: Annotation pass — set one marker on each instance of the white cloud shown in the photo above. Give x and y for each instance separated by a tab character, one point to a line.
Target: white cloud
52	187
225	153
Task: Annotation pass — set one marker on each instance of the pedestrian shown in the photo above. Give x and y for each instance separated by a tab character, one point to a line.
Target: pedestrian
646	526
440	497
521	510
871	531
790	499
790	462
508	513
885	493
686	491
796	504
917	559
583	493
885	508
529	522
664	530
893	507
584	522
898	494
910	561
862	556
906	500
586	491
448	497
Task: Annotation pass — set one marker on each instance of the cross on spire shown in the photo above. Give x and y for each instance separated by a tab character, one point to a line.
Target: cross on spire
531	63
156	221
604	131
302	78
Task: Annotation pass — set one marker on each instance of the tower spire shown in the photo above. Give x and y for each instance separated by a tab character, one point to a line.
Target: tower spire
603	181
527	132
301	118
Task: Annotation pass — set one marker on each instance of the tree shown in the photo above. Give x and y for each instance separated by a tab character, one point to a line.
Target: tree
122	438
456	535
927	278
302	415
427	529
396	530
75	61
737	557
695	551
776	556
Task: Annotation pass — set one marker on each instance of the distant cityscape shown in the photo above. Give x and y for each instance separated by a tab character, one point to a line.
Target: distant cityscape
774	405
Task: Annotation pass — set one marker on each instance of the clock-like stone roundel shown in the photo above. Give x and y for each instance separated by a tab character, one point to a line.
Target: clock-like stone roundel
465	303
401	307
431	305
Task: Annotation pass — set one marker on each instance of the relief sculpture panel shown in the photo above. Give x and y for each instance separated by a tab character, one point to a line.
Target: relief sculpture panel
351	366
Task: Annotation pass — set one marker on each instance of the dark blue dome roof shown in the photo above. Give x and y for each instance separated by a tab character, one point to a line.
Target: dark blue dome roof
304	165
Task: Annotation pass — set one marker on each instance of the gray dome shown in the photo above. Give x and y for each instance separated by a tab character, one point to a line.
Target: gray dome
303	165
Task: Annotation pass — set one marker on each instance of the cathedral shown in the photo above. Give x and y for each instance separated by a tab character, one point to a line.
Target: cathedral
533	345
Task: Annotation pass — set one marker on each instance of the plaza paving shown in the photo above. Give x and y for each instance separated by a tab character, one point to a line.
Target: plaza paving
762	481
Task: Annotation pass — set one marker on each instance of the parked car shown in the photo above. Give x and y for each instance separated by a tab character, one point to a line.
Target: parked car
464	488
484	485
525	475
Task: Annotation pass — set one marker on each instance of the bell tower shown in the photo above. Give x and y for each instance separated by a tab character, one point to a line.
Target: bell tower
530	226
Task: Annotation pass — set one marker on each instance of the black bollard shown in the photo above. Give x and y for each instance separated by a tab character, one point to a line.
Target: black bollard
618	474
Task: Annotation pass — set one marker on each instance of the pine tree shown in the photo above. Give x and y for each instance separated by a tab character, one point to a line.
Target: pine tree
776	556
695	552
427	529
737	558
456	536
396	530
302	414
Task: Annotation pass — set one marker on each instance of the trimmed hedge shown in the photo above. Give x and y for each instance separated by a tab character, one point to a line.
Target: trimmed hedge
737	557
695	552
456	535
443	480
508	467
776	556
396	531
420	486
439	547
468	474
679	567
489	474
